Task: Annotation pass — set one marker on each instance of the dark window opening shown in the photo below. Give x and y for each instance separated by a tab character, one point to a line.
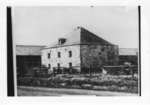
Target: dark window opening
70	65
59	54
49	55
58	65
99	53
70	53
61	41
49	66
103	49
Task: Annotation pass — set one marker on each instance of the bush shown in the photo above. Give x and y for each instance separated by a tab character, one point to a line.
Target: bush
101	82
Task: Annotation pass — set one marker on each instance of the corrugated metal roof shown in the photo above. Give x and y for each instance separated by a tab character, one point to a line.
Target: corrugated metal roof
28	50
128	51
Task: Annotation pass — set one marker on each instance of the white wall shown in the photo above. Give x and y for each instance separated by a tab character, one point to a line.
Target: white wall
64	59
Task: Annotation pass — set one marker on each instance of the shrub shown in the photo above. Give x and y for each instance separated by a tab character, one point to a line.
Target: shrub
101	82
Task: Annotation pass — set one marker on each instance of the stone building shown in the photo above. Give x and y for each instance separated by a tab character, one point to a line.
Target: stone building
81	50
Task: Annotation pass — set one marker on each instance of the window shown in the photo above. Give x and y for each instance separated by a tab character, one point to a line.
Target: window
58	65
70	53
61	41
103	49
59	54
49	55
49	66
70	65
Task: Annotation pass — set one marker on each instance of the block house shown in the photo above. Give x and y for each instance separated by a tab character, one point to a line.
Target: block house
81	50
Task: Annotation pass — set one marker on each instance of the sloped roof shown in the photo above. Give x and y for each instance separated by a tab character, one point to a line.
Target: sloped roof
28	50
81	35
128	51
88	37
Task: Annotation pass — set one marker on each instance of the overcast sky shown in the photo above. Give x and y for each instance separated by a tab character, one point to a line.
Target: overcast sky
44	25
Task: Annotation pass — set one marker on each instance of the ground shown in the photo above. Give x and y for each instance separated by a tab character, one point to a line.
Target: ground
42	91
100	82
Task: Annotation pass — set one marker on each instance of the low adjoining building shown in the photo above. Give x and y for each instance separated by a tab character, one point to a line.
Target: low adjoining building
27	57
128	55
81	50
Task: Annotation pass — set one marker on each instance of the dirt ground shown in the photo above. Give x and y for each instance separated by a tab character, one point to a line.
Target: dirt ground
42	91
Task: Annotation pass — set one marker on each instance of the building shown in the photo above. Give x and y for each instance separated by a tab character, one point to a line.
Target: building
27	57
81	50
128	55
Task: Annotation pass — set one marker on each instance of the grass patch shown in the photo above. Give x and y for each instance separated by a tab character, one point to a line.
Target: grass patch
122	83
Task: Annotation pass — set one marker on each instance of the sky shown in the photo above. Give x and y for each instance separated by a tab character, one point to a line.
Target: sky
43	25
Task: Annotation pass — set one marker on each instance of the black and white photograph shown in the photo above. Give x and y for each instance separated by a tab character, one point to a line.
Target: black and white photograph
76	50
